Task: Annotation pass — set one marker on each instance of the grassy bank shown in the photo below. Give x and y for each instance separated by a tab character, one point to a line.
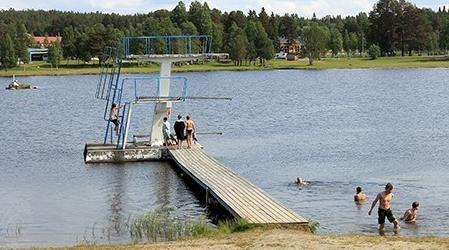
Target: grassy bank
263	238
74	68
161	231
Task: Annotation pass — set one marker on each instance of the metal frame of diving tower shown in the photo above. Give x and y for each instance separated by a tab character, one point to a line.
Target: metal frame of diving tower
163	108
164	50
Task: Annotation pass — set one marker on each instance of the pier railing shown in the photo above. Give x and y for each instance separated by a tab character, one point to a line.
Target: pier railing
153	46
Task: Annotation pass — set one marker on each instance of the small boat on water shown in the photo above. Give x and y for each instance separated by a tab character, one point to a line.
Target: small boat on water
14	85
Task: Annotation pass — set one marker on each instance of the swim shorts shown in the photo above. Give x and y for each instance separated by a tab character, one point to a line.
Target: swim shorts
385	213
115	121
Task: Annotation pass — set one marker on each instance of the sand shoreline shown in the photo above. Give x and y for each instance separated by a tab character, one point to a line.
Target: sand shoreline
288	239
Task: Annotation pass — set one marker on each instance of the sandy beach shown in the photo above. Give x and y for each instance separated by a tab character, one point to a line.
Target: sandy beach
291	239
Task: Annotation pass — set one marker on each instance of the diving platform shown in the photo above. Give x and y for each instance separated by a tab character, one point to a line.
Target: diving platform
238	196
184	57
109	153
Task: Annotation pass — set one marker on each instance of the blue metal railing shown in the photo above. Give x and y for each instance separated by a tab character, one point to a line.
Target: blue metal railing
108	87
110	62
154	45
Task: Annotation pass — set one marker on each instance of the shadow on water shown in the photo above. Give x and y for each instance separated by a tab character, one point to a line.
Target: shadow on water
214	210
118	219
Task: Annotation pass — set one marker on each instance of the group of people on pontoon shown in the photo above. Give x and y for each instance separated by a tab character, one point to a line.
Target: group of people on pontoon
184	130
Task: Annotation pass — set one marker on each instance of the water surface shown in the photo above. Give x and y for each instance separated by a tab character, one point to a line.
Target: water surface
338	129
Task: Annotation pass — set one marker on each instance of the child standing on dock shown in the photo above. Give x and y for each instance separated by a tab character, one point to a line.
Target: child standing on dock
179	128
190	128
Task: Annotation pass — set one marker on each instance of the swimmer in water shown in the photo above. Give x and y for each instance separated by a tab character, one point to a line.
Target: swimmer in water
359	196
301	181
410	215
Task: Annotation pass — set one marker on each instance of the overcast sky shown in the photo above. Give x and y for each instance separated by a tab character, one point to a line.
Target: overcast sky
302	7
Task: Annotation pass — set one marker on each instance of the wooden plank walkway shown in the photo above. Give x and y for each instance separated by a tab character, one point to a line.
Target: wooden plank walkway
240	197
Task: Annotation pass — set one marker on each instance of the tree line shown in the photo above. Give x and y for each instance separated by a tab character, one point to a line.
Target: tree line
392	27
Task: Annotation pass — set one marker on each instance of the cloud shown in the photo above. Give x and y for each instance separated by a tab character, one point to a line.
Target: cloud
304	8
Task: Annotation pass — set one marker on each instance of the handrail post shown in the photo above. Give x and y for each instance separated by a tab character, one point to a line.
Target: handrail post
190	45
128	120
207	196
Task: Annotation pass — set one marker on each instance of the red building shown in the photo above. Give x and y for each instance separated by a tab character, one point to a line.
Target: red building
44	41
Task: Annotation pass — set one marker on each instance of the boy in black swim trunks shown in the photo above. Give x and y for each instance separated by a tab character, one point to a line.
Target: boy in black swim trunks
384	199
113	117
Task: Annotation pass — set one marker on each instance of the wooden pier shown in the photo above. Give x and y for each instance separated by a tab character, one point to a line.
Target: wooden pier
237	195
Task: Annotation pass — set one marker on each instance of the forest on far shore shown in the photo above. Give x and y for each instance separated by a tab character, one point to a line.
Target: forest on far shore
391	28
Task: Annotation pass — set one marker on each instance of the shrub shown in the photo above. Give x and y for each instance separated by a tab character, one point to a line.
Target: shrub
374	51
314	226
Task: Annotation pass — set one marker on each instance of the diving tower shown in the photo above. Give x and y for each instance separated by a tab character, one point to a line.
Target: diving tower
161	92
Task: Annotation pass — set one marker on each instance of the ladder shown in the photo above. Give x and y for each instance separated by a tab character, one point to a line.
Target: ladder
124	119
109	87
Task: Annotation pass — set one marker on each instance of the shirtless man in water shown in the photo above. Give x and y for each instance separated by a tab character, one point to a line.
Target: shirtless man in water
410	215
359	197
385	198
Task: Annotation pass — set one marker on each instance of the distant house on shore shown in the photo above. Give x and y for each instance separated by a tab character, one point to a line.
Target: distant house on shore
39	50
292	46
45	41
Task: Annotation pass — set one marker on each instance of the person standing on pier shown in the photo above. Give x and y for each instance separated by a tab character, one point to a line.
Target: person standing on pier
166	131
179	128
385	199
190	129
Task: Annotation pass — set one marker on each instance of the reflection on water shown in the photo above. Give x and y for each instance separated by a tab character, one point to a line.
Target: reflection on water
337	128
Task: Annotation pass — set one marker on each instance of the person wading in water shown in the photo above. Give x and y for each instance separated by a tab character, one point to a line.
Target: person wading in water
359	197
411	213
384	199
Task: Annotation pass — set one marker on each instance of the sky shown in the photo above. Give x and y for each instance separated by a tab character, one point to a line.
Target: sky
304	8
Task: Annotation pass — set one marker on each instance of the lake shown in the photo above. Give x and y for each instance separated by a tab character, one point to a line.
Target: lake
338	129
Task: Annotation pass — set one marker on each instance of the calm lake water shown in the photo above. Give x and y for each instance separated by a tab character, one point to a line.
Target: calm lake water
338	129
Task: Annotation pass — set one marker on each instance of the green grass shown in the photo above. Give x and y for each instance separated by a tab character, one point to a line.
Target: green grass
313	226
234	226
159	226
75	68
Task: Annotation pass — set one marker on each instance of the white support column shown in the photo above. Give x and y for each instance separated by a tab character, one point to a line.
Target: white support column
128	121
161	109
